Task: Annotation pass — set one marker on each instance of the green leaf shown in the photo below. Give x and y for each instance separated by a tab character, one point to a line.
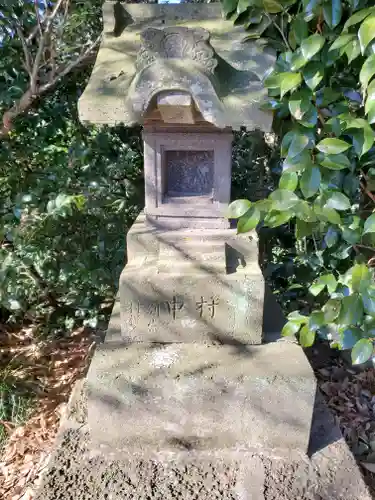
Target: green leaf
367	71
351	310
310	118
363	140
331	237
243	5
334	162
275	219
350	235
341	41
332	12
338	201
371	90
316	288
310	181
237	208
283	199
287	141
303	229
331	309
297	61
313	74
326	280
349	337
257	30
264	206
330	282
306	336
316	320
248	221
298	162
229	6
369	226
296	317
272	6
300	29
312	45
371	114
357	17
255	17
361	277
299	103
290	328
298	144
273	81
353	50
304	211
366	32
362	351
368	299
332	216
288	180
332	146
289	81
310	8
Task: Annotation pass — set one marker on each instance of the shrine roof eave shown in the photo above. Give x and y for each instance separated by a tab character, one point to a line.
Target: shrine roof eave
230	97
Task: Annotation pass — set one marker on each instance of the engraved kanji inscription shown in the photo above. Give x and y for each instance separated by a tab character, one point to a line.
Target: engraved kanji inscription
133	310
175	305
210	305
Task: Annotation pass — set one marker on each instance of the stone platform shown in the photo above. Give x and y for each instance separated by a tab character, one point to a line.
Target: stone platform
81	470
200	397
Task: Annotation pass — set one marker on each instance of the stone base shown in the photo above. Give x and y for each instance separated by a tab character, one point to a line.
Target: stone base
79	470
191	286
190	396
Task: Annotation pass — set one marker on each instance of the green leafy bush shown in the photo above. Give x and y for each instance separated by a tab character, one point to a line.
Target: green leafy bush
68	192
322	94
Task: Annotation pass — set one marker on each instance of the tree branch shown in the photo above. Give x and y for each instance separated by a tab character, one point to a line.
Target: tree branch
365	190
29	97
26	52
70	67
280	31
42	43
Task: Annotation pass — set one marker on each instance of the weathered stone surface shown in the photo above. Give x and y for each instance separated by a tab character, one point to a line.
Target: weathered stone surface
187	47
176	107
183	396
187	178
191	286
78	470
158	306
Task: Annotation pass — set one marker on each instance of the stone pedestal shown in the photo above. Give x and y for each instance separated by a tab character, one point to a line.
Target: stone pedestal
183	366
191	285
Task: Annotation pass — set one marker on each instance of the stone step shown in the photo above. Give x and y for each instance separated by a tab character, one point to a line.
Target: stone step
198	397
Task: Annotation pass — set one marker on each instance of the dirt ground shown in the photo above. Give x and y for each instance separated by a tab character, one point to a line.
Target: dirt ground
49	369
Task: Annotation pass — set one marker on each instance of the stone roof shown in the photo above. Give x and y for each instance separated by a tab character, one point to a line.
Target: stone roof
149	48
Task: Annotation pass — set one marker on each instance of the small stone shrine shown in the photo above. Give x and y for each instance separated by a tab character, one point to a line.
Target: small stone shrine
187	397
178	369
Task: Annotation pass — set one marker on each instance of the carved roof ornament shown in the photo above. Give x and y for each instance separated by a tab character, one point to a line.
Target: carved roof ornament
188	48
176	43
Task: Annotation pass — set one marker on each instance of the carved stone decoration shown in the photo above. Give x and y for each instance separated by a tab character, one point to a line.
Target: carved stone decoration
176	43
189	173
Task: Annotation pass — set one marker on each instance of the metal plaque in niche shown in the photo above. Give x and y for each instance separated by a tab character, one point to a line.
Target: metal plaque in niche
189	173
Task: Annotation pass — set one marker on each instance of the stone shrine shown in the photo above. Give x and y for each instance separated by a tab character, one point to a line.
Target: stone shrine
166	378
186	395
